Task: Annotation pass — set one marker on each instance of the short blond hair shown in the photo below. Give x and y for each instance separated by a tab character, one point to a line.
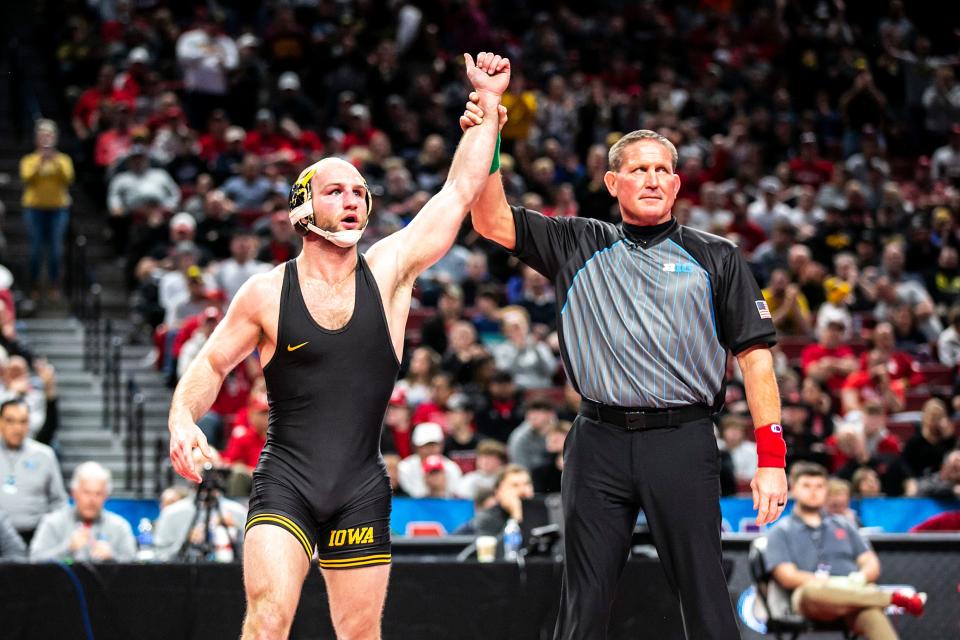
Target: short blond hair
615	155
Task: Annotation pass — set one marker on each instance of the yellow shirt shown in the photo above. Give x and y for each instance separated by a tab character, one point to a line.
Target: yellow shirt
521	114
46	183
791	324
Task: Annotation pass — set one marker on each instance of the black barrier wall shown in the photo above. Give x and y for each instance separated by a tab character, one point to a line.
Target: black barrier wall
437	599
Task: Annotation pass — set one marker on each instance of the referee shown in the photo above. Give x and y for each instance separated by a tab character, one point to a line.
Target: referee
648	311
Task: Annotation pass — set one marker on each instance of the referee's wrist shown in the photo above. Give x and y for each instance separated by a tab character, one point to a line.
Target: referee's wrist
771	447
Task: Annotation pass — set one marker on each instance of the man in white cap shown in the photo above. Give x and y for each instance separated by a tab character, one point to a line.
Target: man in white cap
427	442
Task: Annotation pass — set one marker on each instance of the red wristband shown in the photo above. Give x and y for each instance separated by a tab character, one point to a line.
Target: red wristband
771	449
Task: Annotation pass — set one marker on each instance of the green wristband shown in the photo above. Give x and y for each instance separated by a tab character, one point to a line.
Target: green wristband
495	165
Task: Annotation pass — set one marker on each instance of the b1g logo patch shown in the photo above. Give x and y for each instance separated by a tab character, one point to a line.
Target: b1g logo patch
672	267
776	428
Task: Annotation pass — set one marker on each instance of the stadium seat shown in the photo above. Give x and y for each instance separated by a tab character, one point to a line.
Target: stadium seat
936	374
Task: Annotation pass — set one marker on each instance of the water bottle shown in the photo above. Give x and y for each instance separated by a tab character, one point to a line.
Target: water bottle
512	540
145	551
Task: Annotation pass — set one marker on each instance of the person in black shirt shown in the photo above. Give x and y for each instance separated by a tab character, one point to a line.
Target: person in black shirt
923	454
648	311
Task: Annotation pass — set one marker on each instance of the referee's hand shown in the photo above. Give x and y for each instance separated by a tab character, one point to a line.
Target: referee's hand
769	486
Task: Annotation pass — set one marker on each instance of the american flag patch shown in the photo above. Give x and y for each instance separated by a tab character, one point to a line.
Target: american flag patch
763	309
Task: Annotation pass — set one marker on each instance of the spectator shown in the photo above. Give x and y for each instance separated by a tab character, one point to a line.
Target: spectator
11	545
249	190
743	452
873	384
527	445
531	360
809	168
435	409
834	309
796	546
838	501
512	487
491	458
32	485
86	531
428	444
829	360
283	243
114	141
538	298
503	410
945	161
214	231
291	101
206	56
397	422
135	190
943	281
546	477
924	452
464	354
42	403
424	365
866	483
435	331
173	527
435	478
774	253
944	485
787	304
244	446
46	175
461	443
851	446
899	364
942	102
241	265
948	343
767	211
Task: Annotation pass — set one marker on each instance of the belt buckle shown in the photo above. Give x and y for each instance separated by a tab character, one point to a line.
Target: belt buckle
634	420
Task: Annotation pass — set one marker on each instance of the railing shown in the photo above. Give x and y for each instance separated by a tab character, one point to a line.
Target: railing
134	439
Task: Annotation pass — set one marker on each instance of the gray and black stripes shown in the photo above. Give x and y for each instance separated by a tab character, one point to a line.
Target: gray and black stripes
639	328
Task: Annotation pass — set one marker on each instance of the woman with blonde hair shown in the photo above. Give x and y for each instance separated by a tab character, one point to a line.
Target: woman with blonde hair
46	175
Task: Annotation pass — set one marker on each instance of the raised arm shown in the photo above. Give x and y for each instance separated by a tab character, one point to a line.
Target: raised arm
433	231
490	213
233	339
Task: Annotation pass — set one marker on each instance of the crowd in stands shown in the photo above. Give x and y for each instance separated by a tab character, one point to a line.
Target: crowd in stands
821	137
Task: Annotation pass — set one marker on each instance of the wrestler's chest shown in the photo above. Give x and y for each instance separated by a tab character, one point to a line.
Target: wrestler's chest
330	307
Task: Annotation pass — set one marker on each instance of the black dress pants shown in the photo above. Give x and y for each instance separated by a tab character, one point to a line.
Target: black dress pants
672	473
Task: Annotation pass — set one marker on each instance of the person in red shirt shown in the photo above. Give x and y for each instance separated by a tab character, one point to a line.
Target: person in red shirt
749	233
90	104
268	142
874	384
246	442
435	409
360	131
213	142
900	365
828	360
809	168
878	441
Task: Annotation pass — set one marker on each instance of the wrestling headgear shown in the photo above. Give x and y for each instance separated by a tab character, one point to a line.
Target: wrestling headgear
302	216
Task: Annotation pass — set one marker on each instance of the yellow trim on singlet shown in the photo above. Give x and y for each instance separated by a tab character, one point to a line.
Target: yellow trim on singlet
286	523
382	558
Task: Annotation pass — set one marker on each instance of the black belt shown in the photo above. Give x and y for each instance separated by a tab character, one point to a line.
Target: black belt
639	419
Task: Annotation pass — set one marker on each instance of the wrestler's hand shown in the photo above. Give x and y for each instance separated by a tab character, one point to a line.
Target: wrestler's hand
184	438
769	486
473	114
491	73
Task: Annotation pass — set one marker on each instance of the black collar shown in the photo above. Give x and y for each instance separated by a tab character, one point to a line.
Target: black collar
648	235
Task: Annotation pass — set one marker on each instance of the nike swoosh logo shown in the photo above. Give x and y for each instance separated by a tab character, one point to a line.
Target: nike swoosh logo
292	348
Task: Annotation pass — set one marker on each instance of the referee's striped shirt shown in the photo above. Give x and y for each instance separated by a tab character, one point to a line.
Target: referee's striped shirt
645	324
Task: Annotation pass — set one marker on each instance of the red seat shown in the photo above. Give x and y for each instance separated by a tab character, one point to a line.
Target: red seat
417	317
793	346
935	373
916	398
425	529
553	394
902	430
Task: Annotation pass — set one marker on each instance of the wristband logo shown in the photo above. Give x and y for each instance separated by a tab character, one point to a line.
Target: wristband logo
775	428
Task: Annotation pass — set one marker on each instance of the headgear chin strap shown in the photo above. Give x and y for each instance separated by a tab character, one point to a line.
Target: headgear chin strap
302	216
